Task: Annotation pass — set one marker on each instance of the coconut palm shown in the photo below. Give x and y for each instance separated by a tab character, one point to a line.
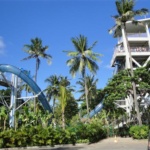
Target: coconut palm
52	89
91	88
126	12
36	50
83	58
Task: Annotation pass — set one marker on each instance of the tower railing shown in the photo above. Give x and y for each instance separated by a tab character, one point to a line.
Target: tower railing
121	50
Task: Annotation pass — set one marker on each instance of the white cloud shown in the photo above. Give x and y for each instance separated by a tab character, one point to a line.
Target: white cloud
2	46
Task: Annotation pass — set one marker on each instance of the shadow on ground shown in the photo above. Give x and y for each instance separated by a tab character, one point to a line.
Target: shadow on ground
64	148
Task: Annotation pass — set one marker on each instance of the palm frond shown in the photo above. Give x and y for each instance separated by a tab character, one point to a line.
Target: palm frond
92	66
141	12
29	57
92	46
112	29
92	55
74	67
72	53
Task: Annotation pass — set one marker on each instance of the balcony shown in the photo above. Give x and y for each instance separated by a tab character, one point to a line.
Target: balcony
120	51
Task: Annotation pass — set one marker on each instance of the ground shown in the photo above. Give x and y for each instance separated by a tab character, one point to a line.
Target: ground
115	143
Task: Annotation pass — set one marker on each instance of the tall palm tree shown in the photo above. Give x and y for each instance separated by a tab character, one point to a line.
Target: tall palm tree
91	88
52	89
126	12
36	50
83	58
64	93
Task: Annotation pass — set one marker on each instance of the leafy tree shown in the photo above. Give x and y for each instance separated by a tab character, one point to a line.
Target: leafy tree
71	109
120	86
83	58
126	12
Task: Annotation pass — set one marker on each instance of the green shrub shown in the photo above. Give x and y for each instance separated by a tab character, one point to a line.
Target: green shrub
139	132
95	132
39	136
91	132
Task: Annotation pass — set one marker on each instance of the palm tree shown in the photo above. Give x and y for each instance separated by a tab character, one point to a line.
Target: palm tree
91	88
64	93
36	50
126	12
83	58
52	89
63	102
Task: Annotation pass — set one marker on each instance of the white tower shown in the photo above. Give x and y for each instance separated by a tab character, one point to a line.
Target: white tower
138	37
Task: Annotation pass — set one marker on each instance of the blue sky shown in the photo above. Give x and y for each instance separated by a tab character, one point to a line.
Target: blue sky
56	22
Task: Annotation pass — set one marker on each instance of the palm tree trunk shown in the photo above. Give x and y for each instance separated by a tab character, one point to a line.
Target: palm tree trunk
53	105
36	69
132	75
86	96
63	120
4	124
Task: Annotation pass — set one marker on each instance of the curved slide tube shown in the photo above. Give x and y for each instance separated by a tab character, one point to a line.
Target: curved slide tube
29	81
97	109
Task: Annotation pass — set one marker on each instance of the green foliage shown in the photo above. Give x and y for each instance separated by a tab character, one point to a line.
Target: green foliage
139	132
67	136
6	93
39	136
123	131
92	131
71	109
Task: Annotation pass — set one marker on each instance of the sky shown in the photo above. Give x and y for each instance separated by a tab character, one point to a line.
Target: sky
55	22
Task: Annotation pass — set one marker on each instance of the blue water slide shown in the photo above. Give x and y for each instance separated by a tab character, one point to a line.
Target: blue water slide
97	109
20	73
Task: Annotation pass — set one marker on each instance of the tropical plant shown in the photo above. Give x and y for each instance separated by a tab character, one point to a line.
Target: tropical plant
64	94
5	95
139	132
91	89
126	12
3	117
36	50
83	58
71	109
52	89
